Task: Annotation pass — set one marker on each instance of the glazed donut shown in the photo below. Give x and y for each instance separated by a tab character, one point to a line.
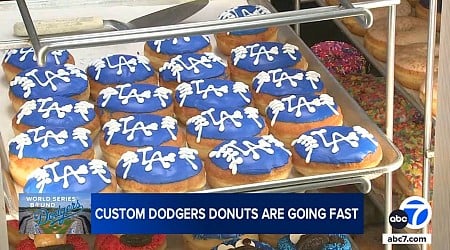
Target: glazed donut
293	115
340	58
192	66
359	149
278	83
245	244
423	11
17	60
161	51
408	30
111	70
136	131
245	62
200	95
213	126
403	9
435	93
127	99
50	241
56	111
314	241
39	146
41	82
130	242
248	160
160	169
411	64
208	241
226	41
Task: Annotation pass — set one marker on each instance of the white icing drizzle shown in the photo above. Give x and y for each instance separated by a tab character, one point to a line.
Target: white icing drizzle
279	144
238	243
81	134
25	51
156	156
113	126
185	90
290	49
278	106
83	108
187	39
161	93
365	134
170	124
100	168
131	64
54	106
256	51
176	65
253	113
59	137
21	140
270	76
311	143
241	88
128	159
77	72
26	109
68	171
233	12
189	155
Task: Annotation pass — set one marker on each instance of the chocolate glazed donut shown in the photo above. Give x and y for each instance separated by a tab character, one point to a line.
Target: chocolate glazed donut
246	245
317	242
136	240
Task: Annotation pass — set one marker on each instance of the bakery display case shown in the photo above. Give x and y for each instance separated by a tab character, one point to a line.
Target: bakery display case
204	22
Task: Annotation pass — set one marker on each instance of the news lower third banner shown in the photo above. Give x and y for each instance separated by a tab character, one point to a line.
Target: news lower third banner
227	213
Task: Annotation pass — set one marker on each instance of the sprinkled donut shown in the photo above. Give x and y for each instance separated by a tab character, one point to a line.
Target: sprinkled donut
331	149
340	58
208	241
112	70
316	242
162	50
130	242
160	169
17	60
247	61
41	82
226	41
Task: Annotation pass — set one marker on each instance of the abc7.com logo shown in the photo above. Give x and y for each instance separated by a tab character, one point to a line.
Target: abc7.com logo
414	213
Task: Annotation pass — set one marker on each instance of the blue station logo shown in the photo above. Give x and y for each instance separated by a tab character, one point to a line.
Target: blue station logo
414	213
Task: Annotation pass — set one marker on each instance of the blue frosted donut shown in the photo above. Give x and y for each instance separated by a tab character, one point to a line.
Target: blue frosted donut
191	66
315	242
41	82
70	176
179	45
263	56
287	81
244	11
247	243
24	58
120	68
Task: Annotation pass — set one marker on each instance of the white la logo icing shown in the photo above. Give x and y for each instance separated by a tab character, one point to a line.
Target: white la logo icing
24	52
131	64
150	156
271	77
163	94
256	51
231	152
158	43
176	65
234	12
278	106
42	175
310	143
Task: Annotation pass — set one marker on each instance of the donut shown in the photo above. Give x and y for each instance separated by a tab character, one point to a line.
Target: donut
162	50
278	83
271	239
411	64
40	146
130	242
423	11
56	111
160	169
88	176
248	160
14	236
403	9
226	41
61	80
408	30
213	126
315	241
292	116
434	100
135	131
246	61
51	242
199	95
208	241
332	149
243	244
340	58
112	70
192	66
126	99
17	60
